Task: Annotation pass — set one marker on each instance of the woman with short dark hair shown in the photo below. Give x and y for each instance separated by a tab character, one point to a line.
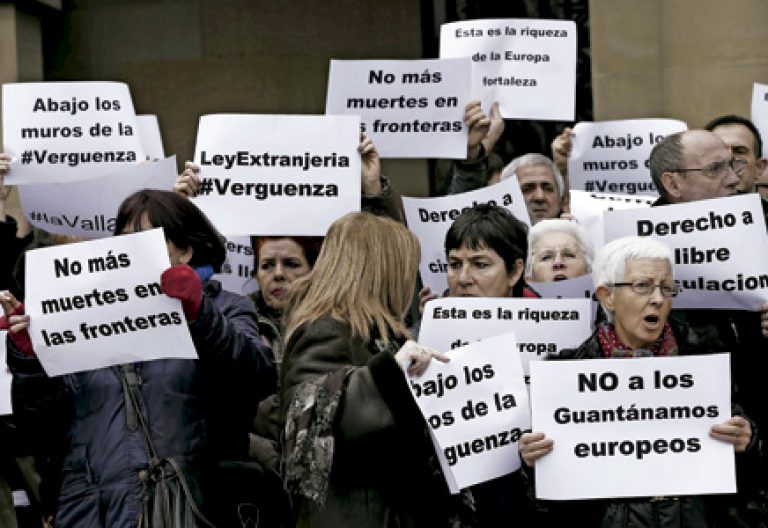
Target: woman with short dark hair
144	438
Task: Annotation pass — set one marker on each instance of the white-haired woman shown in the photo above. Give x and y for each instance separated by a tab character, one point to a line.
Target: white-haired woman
634	283
558	249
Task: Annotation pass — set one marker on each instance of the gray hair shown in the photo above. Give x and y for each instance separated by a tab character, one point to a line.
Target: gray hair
559	225
666	156
532	160
611	261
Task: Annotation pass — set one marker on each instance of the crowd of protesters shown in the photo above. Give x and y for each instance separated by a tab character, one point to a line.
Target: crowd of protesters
297	411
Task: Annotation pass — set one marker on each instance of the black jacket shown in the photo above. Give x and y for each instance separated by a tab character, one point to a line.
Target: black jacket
644	512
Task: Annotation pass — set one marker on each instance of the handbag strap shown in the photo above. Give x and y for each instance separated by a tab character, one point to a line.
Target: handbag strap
134	403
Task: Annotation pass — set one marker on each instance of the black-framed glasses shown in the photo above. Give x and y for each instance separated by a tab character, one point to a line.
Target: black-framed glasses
718	169
643	287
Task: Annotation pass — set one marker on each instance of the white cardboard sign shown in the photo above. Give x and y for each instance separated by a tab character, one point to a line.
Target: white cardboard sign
88	208
277	174
5	379
476	406
719	248
99	303
632	427
588	208
430	219
410	109
236	272
578	288
527	65
66	131
543	327
151	139
612	156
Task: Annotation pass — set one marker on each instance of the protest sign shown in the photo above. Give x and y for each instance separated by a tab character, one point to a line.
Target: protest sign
430	219
577	288
632	428
543	327
760	112
612	156
476	406
719	248
588	208
66	131
5	380
268	174
151	140
99	303
236	272
527	65
409	109
88	208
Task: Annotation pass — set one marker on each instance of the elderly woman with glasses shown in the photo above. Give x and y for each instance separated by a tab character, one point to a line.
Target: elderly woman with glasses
558	249
634	283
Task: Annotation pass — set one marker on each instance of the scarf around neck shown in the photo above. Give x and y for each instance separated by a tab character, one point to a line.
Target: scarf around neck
612	347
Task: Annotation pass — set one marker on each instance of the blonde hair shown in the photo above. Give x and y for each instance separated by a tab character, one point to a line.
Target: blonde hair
364	276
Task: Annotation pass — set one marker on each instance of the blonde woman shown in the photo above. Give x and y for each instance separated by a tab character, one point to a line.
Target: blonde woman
356	448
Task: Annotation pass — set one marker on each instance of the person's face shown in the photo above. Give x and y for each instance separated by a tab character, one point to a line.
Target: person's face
557	256
480	272
281	261
701	150
175	254
639	319
537	184
741	142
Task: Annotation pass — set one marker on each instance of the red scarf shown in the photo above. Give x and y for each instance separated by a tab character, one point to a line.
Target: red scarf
666	345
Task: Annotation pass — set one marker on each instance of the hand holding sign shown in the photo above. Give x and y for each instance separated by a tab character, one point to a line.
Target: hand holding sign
533	446
478	125
370	163
188	181
16	322
416	358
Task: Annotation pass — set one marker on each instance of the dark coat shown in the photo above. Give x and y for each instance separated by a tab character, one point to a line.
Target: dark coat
644	512
197	412
380	474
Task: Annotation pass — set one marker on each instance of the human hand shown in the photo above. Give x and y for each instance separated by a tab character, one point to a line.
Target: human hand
764	318
495	130
417	357
478	125
735	430
5	190
16	322
533	446
370	165
188	181
561	149
425	294
183	283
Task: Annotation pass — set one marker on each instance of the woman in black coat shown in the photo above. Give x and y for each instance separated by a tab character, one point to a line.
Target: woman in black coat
635	286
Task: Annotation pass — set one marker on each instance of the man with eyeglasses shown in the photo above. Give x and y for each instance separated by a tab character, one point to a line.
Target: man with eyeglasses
697	165
743	139
693	165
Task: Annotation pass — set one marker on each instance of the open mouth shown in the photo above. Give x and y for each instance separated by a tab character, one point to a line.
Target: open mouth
652	320
559	277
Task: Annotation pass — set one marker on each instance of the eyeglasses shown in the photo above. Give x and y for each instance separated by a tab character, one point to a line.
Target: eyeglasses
643	287
718	169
